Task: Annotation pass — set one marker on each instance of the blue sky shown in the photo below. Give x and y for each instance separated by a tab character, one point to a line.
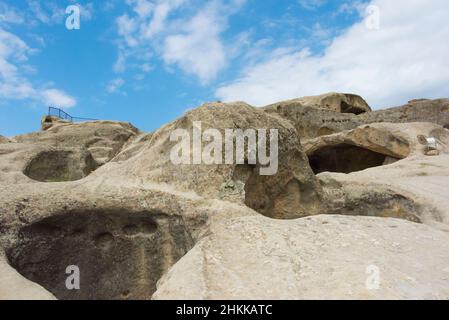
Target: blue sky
148	61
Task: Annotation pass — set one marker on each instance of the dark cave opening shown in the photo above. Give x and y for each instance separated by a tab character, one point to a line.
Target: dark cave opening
346	108
345	158
120	255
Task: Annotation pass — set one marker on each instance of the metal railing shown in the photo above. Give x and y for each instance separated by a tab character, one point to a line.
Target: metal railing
61	114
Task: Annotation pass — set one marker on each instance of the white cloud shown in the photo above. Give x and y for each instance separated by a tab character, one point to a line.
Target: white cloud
158	20
191	42
86	11
355	6
406	58
46	12
57	98
9	14
311	4
114	85
198	50
142	7
126	28
146	67
13	50
13	84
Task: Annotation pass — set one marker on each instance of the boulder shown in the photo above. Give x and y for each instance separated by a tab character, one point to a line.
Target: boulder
290	191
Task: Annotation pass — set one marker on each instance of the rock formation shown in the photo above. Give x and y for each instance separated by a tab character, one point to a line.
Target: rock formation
3	139
293	191
312	122
337	102
354	192
322	257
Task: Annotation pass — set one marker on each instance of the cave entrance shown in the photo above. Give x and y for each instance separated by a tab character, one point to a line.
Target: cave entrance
120	255
345	158
346	108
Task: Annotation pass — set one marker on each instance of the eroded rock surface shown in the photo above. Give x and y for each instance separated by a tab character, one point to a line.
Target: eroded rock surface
354	189
324	257
63	152
314	121
337	102
356	150
291	192
3	139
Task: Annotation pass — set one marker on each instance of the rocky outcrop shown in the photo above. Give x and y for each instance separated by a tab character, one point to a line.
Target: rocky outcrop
3	139
315	121
378	160
103	139
337	102
422	110
130	234
312	122
64	152
292	191
352	195
50	121
355	150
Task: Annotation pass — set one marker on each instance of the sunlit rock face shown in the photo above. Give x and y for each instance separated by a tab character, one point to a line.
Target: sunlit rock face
353	190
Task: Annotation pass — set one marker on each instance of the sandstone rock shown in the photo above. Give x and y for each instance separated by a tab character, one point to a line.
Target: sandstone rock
107	198
49	121
434	111
90	135
3	139
365	147
380	160
338	102
63	152
292	192
313	121
15	287
122	236
324	257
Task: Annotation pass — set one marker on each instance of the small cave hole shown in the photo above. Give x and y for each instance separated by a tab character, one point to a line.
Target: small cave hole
346	158
347	108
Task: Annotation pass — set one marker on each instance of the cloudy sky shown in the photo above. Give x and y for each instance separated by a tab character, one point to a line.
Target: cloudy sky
148	61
